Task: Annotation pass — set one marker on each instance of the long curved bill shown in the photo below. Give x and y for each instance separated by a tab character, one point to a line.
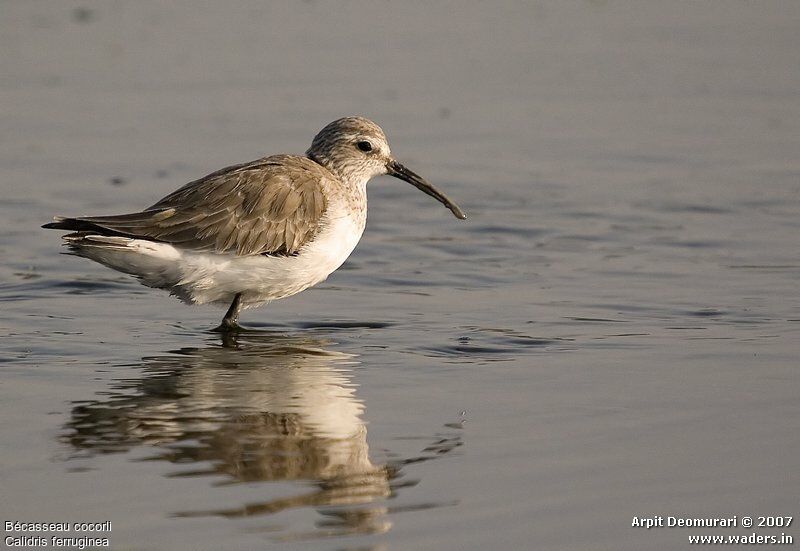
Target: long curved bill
399	171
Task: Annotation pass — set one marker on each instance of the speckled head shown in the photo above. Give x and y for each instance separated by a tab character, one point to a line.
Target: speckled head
355	149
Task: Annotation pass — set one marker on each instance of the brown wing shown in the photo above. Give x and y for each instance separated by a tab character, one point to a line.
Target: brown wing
270	206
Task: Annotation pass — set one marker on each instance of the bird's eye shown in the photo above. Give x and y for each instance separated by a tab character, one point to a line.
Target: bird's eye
364	146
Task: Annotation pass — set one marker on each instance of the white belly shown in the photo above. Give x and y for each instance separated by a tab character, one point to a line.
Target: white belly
218	278
261	279
201	277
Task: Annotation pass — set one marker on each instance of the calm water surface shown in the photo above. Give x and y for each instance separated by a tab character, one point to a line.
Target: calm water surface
612	333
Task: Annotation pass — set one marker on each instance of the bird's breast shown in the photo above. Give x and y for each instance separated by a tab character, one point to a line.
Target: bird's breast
340	233
263	278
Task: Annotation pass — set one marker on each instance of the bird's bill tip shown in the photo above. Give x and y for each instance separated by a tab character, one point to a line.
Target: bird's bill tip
397	170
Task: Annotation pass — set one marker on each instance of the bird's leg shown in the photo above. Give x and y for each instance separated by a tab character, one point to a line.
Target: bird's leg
231	320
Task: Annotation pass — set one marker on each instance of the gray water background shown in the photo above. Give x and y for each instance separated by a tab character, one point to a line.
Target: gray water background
613	332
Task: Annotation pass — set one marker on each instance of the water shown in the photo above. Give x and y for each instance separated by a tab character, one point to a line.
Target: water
613	332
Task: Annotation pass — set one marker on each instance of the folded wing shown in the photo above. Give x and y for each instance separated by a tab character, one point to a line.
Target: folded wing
271	206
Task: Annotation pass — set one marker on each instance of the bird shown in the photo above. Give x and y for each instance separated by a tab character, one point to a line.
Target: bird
254	232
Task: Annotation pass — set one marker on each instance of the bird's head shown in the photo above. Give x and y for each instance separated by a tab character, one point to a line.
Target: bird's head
355	149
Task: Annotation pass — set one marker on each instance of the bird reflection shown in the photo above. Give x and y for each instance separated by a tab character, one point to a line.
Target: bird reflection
255	408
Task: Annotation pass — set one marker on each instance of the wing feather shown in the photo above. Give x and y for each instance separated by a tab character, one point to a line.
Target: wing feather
271	206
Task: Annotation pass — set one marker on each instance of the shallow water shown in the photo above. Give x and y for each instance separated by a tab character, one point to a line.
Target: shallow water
613	332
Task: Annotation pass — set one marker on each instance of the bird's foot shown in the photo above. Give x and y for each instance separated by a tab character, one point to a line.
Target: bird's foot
228	326
230	323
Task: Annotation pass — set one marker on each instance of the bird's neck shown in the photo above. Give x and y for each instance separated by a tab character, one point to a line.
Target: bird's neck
350	175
